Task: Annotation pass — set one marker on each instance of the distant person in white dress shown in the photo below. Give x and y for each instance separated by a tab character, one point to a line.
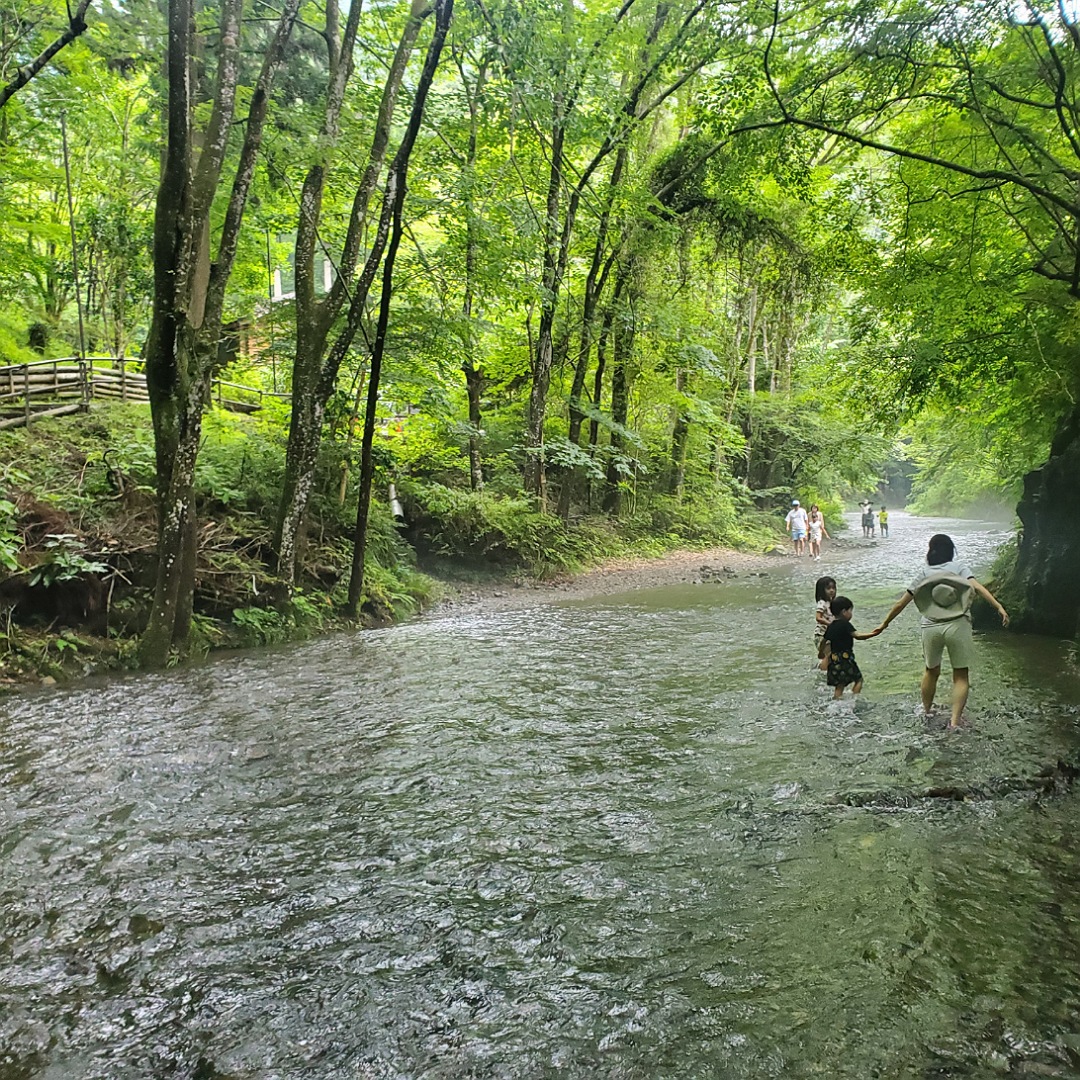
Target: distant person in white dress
943	592
817	530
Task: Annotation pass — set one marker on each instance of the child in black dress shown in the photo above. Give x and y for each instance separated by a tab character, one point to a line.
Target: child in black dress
838	645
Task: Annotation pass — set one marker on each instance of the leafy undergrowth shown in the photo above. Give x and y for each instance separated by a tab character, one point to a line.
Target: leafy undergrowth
478	531
78	551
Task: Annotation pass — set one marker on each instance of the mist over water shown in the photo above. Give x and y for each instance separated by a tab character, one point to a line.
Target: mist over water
626	837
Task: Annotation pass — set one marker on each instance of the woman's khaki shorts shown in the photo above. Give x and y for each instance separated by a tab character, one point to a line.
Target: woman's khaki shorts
953	637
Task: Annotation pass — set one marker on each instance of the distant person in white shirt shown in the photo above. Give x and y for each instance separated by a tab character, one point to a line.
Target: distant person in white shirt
867	519
797	523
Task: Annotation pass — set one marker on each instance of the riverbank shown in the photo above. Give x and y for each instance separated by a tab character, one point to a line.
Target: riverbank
615	575
48	657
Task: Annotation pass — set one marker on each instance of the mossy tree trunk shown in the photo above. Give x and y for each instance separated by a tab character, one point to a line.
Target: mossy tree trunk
189	290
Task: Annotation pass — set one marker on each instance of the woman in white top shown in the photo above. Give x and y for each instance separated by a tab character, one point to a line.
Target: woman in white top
943	593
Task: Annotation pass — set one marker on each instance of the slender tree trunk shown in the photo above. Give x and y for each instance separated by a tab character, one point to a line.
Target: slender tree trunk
594	287
474	382
473	378
621	350
542	357
343	490
598	386
314	372
305	433
396	187
679	435
751	341
601	365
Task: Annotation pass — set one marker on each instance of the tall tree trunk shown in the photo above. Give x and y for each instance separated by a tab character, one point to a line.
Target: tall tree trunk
621	349
598	385
679	435
751	341
189	293
473	379
314	372
396	188
474	383
544	352
601	365
595	281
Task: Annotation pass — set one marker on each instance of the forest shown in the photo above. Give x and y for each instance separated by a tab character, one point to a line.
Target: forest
524	283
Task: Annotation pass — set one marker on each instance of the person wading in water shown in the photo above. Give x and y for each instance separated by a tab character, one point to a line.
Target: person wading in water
943	592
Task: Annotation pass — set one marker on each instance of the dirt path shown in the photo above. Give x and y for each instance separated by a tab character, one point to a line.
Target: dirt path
617	575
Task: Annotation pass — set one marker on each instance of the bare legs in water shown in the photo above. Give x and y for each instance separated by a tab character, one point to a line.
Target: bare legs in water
961	687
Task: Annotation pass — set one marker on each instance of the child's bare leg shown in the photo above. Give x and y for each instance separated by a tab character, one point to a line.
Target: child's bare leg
929	685
961	685
857	688
838	693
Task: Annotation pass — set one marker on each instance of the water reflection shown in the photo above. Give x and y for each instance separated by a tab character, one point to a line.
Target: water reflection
625	837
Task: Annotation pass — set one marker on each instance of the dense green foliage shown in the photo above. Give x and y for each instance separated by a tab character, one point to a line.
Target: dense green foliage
662	267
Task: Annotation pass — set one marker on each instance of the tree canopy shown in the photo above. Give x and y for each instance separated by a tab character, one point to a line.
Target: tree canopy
655	259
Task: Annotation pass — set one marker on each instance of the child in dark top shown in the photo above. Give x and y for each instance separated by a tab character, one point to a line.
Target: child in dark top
838	645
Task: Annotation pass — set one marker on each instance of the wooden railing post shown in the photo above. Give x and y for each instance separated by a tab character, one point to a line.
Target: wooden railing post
26	392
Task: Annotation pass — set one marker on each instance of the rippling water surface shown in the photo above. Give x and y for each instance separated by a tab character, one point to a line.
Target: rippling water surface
624	838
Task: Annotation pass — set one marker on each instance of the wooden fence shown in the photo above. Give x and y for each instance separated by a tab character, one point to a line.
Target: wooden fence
55	387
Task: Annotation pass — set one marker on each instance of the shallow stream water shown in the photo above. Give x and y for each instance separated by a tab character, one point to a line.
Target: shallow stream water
627	837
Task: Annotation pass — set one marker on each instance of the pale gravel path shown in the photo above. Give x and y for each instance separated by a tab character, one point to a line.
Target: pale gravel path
616	576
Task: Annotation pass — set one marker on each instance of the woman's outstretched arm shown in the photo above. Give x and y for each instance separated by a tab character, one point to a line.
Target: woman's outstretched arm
990	598
895	610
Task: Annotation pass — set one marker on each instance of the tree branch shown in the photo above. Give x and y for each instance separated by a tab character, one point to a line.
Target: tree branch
76	26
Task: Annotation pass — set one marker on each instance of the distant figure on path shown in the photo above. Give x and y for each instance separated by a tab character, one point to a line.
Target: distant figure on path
796	522
838	646
943	592
867	519
883	522
817	528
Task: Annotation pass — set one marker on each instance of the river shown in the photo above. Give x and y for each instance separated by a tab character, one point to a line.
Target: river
625	837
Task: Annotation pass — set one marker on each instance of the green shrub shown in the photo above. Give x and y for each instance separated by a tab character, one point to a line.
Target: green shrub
503	531
64	561
300	616
10	541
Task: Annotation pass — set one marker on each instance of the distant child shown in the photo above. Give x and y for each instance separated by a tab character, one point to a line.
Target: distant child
817	528
883	521
824	591
838	646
